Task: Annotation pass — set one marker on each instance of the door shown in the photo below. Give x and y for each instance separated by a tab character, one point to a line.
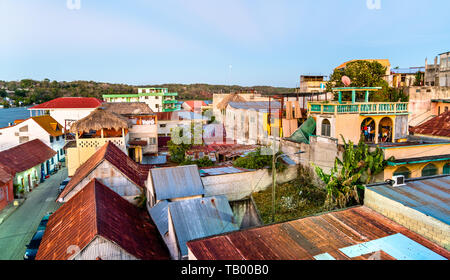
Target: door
29	182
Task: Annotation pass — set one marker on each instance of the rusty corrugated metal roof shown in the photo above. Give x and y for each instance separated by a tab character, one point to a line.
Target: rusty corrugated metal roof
134	171
437	126
94	211
6	174
430	196
177	182
26	155
355	233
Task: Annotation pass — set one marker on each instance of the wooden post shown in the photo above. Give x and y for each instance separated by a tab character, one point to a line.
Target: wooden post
340	97
367	96
353	96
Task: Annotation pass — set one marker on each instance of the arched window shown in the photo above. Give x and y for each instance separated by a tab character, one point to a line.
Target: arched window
429	170
326	128
446	168
403	171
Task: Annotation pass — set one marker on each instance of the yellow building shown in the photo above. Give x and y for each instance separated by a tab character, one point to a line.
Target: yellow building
383	62
92	133
385	125
376	122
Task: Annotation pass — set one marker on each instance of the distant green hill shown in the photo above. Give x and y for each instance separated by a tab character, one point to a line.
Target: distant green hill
34	92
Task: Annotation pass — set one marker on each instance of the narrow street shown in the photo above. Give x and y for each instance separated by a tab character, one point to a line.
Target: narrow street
18	229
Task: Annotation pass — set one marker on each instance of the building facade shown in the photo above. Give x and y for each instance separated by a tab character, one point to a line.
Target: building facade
66	110
158	99
44	128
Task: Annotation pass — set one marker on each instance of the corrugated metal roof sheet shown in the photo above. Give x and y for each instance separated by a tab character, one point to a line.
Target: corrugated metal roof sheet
177	182
256	105
159	214
221	171
437	126
428	196
137	173
328	236
97	210
201	217
26	155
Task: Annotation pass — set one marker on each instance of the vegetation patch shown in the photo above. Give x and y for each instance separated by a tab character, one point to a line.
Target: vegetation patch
295	199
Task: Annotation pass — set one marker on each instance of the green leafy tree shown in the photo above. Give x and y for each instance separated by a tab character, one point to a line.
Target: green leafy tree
358	166
362	74
258	160
418	79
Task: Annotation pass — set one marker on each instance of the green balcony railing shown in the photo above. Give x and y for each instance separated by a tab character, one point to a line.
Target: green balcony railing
360	108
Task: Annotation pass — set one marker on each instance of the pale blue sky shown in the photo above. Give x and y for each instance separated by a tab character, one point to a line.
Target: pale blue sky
196	41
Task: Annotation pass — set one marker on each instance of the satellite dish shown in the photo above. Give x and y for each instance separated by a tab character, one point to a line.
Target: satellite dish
346	81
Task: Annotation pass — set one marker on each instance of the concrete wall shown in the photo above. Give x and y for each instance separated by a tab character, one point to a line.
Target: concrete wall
420	105
415	169
413	151
111	177
61	115
238	186
6	194
430	228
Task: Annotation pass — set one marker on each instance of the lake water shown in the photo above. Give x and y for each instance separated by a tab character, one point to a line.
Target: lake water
11	114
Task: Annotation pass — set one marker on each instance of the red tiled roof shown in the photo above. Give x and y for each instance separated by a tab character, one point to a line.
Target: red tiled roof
96	210
26	155
6	174
132	170
437	126
192	103
69	103
305	238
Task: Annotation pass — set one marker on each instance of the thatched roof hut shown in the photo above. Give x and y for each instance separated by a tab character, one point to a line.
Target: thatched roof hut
99	119
232	97
128	108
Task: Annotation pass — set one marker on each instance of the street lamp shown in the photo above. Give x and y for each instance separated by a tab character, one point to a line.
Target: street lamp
274	178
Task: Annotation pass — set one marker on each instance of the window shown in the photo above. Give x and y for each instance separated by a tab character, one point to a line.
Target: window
429	170
23	139
23	129
152	141
57	138
52	161
51	139
446	168
162	125
326	128
403	171
156	106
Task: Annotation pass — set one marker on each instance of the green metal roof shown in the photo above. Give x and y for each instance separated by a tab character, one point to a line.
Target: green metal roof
302	134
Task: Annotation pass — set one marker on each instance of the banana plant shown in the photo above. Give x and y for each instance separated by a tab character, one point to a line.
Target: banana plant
358	167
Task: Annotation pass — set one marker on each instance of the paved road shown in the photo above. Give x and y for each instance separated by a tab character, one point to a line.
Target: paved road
18	229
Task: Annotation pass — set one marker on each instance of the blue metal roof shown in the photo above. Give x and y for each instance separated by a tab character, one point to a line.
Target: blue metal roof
159	214
428	196
177	182
201	217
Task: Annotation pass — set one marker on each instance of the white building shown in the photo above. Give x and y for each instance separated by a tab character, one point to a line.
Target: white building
247	122
158	99
66	110
44	128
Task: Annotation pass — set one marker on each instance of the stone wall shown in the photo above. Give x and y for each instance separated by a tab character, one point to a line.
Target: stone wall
430	228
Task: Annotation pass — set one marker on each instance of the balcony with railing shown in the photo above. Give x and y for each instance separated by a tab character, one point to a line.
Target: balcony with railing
363	108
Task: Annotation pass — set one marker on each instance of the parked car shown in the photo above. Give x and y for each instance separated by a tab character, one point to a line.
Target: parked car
63	184
44	221
33	246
